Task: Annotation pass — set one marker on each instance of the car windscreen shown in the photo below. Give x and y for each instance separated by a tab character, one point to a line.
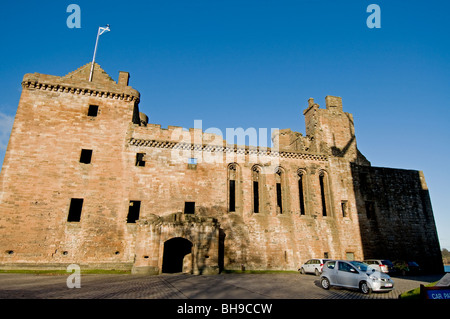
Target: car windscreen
360	266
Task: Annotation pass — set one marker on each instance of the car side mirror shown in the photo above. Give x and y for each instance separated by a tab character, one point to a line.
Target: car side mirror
353	270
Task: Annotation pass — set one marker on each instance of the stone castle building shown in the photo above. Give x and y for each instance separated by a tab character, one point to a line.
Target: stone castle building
87	179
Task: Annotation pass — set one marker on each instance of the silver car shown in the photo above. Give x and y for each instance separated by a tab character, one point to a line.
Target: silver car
354	274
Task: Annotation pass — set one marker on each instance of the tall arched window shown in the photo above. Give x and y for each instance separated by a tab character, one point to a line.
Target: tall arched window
256	188
301	190
279	185
325	193
232	178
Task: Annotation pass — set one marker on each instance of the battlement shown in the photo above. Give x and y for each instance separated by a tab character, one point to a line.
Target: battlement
77	82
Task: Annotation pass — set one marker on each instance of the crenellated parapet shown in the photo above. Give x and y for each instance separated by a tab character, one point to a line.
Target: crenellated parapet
77	83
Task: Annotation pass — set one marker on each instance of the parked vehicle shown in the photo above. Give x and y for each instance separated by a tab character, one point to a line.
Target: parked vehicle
313	266
354	274
407	267
382	265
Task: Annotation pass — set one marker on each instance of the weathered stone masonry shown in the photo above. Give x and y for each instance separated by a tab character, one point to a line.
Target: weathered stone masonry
87	179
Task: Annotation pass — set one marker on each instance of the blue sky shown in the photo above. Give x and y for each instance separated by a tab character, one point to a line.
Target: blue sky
255	64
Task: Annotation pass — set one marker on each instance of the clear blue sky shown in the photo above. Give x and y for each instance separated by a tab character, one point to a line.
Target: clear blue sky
255	64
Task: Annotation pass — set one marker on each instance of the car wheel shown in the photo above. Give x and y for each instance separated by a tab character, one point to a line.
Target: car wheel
364	288
302	271
325	283
317	272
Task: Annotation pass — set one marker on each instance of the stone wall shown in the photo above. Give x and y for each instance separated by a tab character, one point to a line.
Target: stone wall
189	187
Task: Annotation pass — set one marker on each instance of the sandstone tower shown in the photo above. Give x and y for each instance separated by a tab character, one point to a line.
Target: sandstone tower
87	179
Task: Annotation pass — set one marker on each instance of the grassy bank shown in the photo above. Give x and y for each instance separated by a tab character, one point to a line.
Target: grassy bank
63	272
415	293
228	271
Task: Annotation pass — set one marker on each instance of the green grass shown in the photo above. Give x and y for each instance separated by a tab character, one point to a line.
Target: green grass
229	271
64	272
415	293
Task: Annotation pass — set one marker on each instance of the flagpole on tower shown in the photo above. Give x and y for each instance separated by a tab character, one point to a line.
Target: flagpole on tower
101	30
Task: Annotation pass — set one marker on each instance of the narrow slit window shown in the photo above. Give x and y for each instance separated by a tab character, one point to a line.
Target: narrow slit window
140	159
93	110
86	156
76	205
255	197
301	194
279	198
133	211
256	178
189	207
279	179
322	194
344	208
232	203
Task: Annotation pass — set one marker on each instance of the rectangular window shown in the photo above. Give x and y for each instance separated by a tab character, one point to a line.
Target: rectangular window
344	208
302	198
322	194
189	207
76	205
363	181
192	163
255	197
86	156
370	209
93	110
232	203
350	256
140	159
279	199
133	211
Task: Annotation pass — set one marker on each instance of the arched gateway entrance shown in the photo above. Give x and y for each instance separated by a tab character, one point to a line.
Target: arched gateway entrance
176	250
177	243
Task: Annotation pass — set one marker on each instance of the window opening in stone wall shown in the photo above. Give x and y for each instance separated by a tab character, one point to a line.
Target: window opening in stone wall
232	187
325	255
93	110
189	207
86	156
76	205
363	181
301	193
256	194
322	193
279	199
370	209
344	208
255	197
279	179
140	159
192	163
133	211
232	207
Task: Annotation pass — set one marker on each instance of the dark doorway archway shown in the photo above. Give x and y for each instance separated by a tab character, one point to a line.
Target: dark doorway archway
174	251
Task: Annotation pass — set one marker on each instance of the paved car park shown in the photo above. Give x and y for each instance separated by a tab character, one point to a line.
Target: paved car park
182	286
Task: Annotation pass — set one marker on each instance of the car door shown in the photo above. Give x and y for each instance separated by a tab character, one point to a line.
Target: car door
347	275
330	269
306	266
